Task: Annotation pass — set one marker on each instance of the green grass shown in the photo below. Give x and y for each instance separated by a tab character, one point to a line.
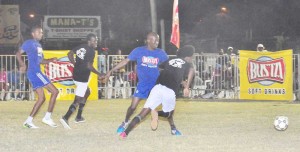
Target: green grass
206	126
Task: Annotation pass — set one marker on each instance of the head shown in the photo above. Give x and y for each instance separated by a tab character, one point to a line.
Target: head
92	40
260	47
152	40
37	33
221	52
119	52
230	49
186	53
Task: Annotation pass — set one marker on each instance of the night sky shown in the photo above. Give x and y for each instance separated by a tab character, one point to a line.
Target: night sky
129	20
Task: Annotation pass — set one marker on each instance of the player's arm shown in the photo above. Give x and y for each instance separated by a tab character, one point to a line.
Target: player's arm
191	73
90	67
71	57
118	66
22	64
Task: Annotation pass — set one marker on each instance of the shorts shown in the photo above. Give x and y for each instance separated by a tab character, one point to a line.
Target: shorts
81	88
37	80
161	94
142	90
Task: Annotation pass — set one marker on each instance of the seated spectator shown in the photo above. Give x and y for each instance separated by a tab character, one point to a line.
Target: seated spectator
3	82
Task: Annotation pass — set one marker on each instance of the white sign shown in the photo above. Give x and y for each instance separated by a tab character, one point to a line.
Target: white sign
71	27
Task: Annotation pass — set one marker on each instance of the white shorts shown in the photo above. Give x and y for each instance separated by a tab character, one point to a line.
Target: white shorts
161	94
81	88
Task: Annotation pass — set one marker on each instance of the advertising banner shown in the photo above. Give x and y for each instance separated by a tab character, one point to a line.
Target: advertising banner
61	73
70	27
266	75
9	25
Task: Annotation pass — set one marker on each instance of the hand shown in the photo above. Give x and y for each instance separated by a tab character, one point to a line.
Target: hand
186	92
108	74
102	78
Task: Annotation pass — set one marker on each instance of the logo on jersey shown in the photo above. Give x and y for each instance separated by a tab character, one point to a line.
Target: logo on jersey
266	70
60	71
40	54
81	53
176	63
150	61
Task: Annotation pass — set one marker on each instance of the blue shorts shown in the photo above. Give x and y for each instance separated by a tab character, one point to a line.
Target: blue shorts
37	79
143	90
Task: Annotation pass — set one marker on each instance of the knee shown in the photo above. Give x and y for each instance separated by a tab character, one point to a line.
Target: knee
88	92
55	92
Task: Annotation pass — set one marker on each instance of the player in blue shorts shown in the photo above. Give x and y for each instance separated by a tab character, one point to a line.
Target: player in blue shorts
148	59
38	80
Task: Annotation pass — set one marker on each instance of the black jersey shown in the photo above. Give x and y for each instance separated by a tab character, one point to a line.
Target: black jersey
84	54
173	73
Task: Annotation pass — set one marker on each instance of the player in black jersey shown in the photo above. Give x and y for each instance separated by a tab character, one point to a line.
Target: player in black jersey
164	92
83	66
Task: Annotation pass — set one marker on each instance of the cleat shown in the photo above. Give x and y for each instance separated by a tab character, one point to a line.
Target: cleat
65	123
29	125
154	120
176	132
79	120
123	135
122	127
49	122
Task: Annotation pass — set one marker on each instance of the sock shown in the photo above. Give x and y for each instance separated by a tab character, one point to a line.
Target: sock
80	109
163	114
72	108
29	119
132	124
48	115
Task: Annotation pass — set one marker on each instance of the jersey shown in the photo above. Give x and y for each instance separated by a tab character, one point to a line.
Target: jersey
84	54
34	53
173	73
147	68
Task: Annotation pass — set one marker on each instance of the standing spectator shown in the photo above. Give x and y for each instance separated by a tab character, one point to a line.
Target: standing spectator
132	79
83	66
148	59
261	48
14	83
39	81
118	81
3	82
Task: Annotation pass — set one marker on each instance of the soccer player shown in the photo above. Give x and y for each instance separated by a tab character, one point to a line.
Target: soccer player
148	59
34	52
83	66
164	92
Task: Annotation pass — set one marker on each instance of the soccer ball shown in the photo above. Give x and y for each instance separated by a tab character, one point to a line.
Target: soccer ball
281	123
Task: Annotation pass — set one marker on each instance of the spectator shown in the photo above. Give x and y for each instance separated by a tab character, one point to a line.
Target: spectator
3	82
14	83
118	81
132	79
261	48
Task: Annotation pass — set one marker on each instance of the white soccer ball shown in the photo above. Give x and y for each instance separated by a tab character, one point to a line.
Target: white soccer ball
281	123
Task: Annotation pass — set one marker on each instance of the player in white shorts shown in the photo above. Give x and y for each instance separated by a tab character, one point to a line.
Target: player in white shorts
83	66
164	92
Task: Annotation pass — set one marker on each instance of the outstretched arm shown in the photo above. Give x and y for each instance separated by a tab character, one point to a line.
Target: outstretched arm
90	66
118	66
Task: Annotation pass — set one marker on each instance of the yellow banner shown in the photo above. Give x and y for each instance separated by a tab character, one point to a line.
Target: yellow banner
60	74
266	75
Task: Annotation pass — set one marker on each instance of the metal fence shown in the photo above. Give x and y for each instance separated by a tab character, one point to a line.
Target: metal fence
216	77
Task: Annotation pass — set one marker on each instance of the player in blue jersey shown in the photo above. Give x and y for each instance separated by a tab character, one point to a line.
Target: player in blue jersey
38	80
148	59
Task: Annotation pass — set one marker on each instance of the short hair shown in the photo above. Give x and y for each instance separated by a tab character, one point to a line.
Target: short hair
186	51
89	36
34	28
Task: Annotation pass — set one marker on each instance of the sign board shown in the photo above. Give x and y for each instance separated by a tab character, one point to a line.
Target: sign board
9	24
71	27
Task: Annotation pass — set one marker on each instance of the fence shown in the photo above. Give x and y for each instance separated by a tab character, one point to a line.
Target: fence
216	77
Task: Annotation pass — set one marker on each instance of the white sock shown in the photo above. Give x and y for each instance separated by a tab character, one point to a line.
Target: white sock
29	119
48	115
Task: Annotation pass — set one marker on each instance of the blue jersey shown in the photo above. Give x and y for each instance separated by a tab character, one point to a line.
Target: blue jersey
34	53
147	67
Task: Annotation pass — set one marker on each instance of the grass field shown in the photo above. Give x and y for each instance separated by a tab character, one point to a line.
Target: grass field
206	127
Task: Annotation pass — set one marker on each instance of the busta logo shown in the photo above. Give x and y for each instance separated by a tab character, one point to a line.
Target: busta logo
266	70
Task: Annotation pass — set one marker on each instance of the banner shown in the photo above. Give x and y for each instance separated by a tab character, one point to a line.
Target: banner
60	74
266	75
9	25
175	36
70	27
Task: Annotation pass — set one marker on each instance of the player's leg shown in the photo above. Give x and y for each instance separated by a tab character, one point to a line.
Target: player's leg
54	92
41	99
79	117
136	120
